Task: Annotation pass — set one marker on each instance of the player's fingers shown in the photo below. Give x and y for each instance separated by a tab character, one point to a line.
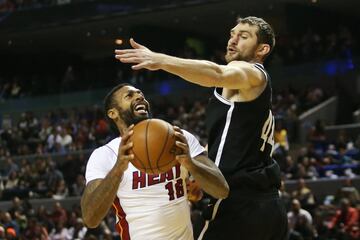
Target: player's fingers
130	60
177	129
181	137
126	147
127	157
135	44
139	66
184	147
124	51
127	55
126	136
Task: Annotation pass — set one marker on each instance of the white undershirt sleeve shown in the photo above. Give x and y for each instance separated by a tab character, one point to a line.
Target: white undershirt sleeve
194	145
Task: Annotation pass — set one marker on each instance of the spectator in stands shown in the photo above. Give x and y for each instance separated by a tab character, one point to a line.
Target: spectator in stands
35	230
8	222
285	196
61	191
317	137
11	234
78	231
343	158
79	185
2	232
280	136
59	214
310	168
17	206
304	228
345	223
304	195
60	232
295	213
348	191
10	167
63	140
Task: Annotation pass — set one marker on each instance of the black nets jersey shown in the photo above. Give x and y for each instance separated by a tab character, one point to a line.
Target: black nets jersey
241	134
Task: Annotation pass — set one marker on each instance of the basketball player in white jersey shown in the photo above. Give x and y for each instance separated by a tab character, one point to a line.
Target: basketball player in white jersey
147	206
240	126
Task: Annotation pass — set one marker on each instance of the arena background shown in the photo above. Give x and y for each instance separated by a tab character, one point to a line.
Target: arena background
57	62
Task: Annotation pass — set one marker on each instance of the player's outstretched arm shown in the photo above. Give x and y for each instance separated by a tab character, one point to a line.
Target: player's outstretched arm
204	171
235	75
99	194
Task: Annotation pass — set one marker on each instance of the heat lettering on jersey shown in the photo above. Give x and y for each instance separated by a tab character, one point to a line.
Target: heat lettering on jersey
141	179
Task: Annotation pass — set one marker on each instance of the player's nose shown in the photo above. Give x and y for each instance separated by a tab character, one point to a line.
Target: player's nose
139	97
233	41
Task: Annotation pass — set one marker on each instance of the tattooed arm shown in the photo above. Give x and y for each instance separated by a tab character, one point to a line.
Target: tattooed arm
99	194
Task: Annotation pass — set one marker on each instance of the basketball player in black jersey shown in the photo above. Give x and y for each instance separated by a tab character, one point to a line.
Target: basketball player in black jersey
240	126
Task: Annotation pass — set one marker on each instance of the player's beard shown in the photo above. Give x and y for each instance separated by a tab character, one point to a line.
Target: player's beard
237	56
129	116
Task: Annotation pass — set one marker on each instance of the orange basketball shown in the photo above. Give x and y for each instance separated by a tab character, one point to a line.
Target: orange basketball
153	146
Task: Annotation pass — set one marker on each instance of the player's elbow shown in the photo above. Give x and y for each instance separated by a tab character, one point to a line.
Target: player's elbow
224	193
90	222
221	192
89	219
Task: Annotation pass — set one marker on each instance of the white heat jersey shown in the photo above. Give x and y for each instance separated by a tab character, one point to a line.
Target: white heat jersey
147	206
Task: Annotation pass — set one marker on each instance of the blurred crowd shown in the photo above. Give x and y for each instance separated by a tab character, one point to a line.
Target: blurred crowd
61	140
27	222
338	45
12	5
44	155
63	131
315	44
335	217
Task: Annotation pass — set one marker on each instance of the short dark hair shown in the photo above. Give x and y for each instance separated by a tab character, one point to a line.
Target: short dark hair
109	102
265	33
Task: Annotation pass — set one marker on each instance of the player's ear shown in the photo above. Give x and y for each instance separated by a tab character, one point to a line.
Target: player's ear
113	113
263	50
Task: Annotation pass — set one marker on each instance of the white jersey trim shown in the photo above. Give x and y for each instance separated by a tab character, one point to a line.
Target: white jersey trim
221	98
262	69
224	134
206	226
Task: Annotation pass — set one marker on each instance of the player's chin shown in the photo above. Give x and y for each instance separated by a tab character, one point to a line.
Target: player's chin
138	117
229	57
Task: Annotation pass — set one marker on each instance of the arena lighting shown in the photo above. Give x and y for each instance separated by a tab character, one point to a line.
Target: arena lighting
118	41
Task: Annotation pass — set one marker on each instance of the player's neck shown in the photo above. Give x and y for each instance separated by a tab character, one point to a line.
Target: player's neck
121	126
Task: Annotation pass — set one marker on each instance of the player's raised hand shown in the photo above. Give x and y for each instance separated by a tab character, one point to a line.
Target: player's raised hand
125	145
136	45
183	151
139	55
